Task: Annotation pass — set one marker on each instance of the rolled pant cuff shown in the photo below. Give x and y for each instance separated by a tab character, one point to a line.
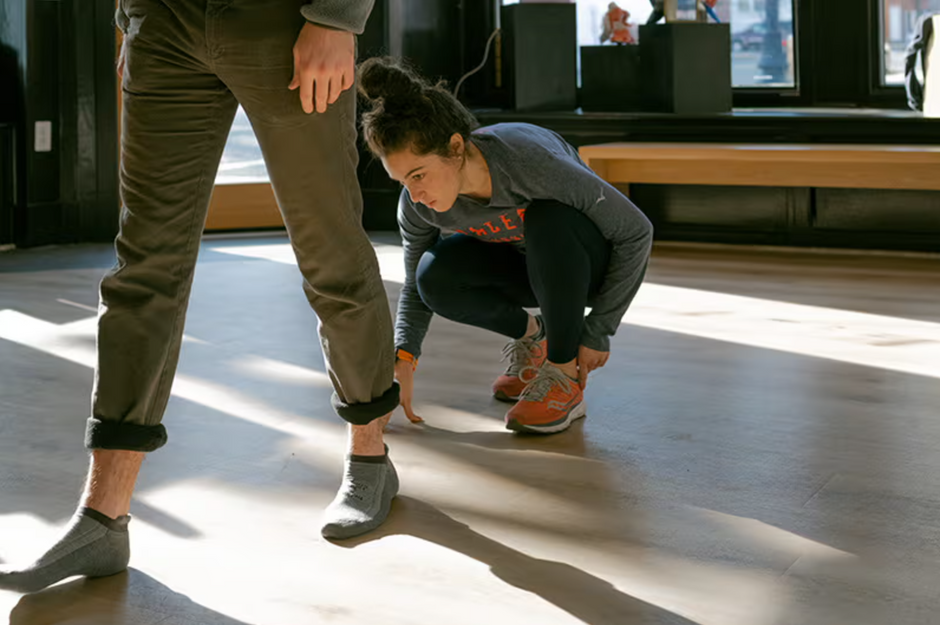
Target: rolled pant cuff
366	412
123	436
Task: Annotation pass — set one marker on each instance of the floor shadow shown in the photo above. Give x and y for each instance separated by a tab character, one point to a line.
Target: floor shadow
564	465
131	597
842	281
584	596
101	256
570	443
164	520
71	257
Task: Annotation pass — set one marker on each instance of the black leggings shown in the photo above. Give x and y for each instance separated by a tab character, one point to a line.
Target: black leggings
487	285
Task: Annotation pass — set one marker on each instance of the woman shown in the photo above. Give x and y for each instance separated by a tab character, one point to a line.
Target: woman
493	221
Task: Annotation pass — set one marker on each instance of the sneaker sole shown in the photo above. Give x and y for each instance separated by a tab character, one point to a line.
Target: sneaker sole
578	412
501	396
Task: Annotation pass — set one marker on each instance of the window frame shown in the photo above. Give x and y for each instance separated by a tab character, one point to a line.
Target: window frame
783	97
879	92
776	96
811	34
823	79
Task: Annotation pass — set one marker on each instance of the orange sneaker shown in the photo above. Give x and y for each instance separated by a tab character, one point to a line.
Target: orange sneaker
525	357
550	403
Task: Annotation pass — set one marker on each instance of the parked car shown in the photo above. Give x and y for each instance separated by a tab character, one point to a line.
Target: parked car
752	37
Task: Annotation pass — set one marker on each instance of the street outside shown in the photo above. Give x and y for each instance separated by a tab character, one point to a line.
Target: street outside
745	72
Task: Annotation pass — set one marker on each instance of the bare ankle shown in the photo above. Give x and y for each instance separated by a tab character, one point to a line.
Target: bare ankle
111	480
368	440
570	369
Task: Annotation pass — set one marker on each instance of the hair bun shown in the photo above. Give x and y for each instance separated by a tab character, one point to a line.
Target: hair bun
387	79
408	112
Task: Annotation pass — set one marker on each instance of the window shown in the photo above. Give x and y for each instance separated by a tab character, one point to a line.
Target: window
763	42
762	35
591	17
242	162
899	19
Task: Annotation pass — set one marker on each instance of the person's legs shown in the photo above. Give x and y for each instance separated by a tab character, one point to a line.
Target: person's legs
567	261
486	285
312	160
481	284
111	479
95	542
176	116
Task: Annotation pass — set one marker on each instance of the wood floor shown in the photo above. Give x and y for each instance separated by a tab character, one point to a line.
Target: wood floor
762	448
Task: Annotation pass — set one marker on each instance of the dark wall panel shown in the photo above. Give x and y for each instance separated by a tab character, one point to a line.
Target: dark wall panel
878	211
747	208
57	67
540	56
7	183
836	218
426	33
12	51
42	87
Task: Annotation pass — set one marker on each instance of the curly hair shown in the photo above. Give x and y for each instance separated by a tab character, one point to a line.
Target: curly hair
408	112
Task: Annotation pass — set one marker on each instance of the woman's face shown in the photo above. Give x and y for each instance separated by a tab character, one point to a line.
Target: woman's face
431	180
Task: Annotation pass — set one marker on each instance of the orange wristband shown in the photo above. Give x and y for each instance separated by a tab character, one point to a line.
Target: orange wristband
405	356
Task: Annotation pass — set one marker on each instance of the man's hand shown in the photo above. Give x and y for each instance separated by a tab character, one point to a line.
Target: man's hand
324	66
589	360
120	61
405	374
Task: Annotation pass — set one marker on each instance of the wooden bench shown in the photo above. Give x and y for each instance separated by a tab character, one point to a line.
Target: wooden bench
764	165
907	167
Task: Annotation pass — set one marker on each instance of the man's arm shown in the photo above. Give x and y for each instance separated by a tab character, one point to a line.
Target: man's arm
325	52
346	15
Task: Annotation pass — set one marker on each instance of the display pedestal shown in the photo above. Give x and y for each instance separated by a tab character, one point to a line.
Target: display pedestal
540	56
685	68
610	78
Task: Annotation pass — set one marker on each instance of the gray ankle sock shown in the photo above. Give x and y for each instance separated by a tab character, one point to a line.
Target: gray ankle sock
363	500
93	545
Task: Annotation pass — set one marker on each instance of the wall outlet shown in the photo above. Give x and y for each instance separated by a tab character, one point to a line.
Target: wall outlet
43	137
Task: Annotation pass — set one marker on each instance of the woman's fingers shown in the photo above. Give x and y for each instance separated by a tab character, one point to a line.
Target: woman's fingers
583	370
409	411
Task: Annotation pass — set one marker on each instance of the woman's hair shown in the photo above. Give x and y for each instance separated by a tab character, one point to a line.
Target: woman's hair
408	112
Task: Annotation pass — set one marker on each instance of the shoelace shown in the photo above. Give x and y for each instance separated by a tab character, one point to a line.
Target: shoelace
518	353
546	377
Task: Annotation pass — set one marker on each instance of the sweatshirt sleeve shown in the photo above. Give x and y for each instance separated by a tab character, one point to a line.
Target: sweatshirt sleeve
560	175
348	15
414	317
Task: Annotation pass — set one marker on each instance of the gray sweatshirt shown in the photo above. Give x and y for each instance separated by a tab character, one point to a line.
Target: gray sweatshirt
348	15
528	163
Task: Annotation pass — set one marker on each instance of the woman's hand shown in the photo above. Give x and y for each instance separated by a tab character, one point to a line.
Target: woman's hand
589	360
405	374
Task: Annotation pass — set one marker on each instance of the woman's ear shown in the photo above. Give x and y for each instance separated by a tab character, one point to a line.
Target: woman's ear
457	145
